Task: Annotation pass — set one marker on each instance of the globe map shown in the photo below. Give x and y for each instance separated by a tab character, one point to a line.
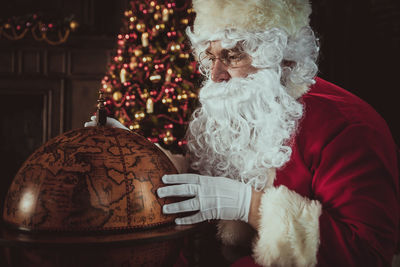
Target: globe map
90	179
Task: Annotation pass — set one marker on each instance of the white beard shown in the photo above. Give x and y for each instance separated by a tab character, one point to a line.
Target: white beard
243	127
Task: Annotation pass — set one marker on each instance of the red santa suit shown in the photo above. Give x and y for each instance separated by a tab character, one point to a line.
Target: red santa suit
336	202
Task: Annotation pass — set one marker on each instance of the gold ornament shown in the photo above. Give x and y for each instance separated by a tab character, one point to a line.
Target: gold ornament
138	52
145	39
182	96
168	138
184	55
149	106
122	75
128	13
165	15
168	75
133	64
117	95
134	126
140	27
107	88
185	21
121	120
145	94
147	59
7	26
175	47
73	25
155	78
166	100
139	115
157	15
172	109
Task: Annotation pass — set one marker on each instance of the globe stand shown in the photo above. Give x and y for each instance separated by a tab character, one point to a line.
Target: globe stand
157	247
101	114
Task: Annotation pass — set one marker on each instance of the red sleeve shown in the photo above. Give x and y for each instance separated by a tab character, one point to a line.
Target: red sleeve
356	181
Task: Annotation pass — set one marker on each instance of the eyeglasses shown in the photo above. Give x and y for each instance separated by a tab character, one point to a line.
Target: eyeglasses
233	58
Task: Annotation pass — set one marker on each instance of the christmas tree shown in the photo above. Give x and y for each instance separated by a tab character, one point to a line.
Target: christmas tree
152	79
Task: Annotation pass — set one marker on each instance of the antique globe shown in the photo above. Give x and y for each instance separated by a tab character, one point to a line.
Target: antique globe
88	198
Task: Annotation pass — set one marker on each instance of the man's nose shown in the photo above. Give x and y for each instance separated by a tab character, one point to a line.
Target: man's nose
219	72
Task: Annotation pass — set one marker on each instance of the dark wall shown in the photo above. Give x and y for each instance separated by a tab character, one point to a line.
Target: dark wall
360	51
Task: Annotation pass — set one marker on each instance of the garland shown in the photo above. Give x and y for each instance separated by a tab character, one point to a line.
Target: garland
52	32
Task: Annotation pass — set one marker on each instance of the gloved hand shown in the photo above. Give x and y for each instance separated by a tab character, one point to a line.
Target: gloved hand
111	122
214	197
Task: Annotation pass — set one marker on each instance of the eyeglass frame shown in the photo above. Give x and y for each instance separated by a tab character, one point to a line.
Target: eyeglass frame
212	58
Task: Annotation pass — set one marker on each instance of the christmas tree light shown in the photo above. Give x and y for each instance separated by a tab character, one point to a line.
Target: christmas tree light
152	80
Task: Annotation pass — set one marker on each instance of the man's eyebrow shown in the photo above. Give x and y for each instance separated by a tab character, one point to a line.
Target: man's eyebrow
223	51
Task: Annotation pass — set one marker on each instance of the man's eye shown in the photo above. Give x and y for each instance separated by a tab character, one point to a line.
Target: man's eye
235	57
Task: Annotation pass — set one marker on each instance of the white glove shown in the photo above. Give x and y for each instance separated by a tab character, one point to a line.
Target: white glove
111	122
214	197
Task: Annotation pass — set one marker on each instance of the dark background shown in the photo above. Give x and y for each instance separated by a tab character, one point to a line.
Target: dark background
46	90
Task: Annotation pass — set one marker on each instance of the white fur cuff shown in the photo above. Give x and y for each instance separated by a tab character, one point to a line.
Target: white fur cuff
288	233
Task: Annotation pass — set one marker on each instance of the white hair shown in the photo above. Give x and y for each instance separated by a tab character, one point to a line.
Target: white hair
243	128
269	49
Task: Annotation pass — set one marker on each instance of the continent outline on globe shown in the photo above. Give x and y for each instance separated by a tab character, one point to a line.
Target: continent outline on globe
90	179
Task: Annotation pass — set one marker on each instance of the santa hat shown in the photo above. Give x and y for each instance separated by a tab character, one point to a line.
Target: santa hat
212	16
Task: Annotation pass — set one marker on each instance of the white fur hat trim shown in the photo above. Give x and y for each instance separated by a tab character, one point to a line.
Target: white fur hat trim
251	15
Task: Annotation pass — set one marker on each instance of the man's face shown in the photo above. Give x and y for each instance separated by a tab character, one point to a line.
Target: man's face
244	121
228	63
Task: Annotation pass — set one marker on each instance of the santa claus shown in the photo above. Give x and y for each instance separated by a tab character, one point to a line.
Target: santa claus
300	170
